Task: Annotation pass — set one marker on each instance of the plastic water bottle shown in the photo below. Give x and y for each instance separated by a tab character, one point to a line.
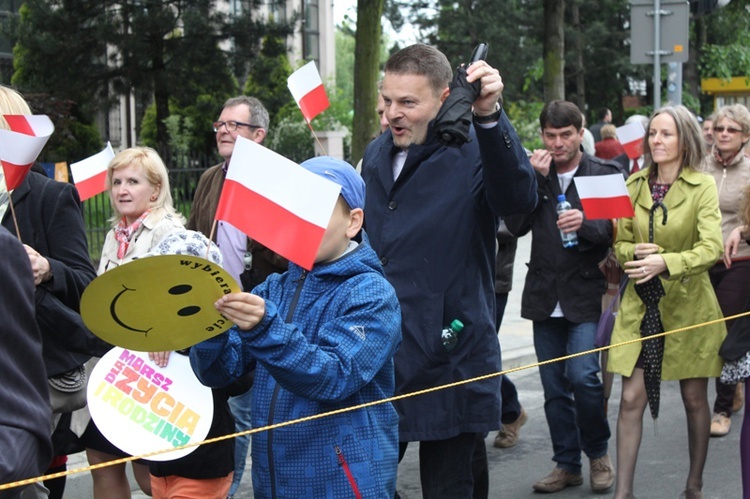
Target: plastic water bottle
450	334
569	239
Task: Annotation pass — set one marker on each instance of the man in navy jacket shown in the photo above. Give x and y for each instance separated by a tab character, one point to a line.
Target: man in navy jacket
25	418
431	215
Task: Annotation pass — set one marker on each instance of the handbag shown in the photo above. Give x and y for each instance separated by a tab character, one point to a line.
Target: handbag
607	320
67	391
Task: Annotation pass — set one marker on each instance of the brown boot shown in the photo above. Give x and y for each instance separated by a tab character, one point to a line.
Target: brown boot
508	435
558	480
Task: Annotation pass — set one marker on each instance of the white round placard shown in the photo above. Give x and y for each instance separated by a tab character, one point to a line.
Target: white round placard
142	408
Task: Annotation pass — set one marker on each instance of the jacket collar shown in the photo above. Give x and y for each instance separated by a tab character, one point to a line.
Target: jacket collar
677	192
416	154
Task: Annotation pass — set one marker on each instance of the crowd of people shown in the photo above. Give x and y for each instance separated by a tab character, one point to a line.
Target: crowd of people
422	236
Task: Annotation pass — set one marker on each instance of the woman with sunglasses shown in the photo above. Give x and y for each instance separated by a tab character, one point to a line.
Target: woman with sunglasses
731	275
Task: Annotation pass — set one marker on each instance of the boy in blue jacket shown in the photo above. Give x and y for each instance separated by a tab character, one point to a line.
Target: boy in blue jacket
318	341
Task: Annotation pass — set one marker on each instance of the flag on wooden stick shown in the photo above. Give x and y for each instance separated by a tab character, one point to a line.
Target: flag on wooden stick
277	202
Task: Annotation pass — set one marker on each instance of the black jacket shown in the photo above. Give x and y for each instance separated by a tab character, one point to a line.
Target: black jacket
50	221
570	276
506	255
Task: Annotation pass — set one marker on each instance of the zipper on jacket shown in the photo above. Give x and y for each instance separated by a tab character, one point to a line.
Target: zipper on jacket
348	472
295	299
272	406
271	467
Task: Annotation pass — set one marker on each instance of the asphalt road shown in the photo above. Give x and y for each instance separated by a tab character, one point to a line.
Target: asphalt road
663	459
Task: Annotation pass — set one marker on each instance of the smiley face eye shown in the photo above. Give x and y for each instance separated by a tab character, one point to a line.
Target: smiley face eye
187	311
180	289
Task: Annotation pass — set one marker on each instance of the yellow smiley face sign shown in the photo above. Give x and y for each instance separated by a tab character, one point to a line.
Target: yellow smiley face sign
158	303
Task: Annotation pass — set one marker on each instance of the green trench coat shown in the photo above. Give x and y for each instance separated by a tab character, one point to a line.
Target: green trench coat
690	243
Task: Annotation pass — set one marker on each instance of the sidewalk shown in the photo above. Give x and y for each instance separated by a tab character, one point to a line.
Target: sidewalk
515	337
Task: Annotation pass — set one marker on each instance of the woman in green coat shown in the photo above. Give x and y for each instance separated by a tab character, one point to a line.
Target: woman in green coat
683	250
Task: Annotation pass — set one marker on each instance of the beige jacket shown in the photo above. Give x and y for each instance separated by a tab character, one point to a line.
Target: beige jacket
730	182
154	228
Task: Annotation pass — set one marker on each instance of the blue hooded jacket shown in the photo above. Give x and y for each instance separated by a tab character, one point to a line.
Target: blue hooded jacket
326	342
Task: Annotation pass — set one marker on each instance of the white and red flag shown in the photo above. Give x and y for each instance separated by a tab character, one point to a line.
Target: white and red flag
90	174
21	145
604	196
308	90
631	138
277	202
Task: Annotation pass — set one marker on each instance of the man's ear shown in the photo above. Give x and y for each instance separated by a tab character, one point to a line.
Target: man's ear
356	219
445	94
260	135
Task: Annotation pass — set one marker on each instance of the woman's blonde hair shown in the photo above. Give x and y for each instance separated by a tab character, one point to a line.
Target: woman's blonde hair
156	174
608	132
11	102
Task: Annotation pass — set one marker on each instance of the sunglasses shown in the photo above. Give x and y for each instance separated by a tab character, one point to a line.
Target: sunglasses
729	129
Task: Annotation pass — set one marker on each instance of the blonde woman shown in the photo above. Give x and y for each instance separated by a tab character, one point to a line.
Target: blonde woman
138	186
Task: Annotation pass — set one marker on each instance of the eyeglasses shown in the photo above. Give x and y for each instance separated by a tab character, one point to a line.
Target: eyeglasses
232	126
729	129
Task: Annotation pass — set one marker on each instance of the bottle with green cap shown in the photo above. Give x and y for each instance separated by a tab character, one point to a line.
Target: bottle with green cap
450	334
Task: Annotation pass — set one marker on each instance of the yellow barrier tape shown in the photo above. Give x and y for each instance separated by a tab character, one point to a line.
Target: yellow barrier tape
61	474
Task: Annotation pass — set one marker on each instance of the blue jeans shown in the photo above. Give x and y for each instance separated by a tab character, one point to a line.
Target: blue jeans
573	392
240	407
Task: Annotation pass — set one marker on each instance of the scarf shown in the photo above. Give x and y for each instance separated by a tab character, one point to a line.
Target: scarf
728	161
124	232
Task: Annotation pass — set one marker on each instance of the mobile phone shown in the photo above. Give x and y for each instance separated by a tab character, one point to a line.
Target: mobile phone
480	53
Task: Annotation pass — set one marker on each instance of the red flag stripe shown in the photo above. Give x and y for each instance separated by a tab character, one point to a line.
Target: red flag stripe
608	207
277	227
92	186
633	149
19	123
314	102
14	174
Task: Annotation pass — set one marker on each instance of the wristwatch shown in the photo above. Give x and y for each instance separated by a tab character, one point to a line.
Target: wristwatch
490	118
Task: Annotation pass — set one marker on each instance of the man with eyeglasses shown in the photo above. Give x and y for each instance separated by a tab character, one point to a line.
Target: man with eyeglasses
246	260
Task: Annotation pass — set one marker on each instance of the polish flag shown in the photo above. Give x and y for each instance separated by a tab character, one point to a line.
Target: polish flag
90	174
308	90
21	145
631	138
277	202
604	196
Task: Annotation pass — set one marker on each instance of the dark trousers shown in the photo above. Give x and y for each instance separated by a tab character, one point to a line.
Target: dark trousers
732	287
511	407
453	468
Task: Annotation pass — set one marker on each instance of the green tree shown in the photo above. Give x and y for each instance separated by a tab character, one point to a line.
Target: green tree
725	48
366	66
554	50
166	49
267	80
